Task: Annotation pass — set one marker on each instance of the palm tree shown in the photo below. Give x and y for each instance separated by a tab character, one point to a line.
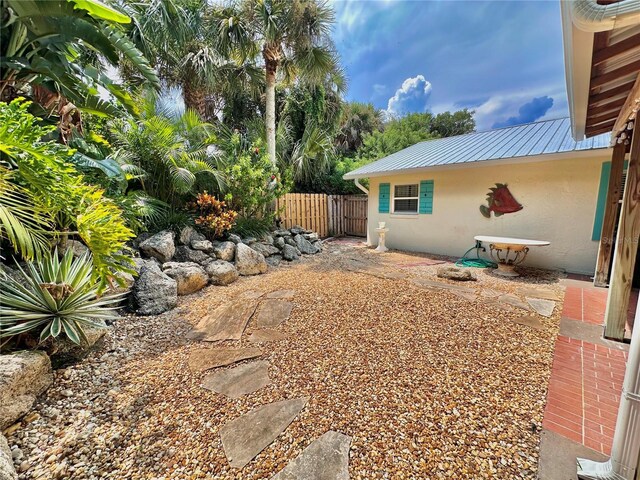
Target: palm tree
293	37
179	38
358	120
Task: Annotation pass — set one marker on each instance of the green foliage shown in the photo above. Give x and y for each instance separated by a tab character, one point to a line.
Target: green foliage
357	121
252	183
253	226
46	44
22	222
43	169
169	157
55	297
447	124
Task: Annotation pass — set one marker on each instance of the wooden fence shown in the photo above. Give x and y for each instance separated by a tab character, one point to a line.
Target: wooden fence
329	215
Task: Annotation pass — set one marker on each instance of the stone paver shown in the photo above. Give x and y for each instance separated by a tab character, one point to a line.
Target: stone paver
513	300
239	380
266	335
226	322
530	321
466	295
283	294
538	292
542	307
251	294
245	437
273	312
422	282
326	458
208	358
489	292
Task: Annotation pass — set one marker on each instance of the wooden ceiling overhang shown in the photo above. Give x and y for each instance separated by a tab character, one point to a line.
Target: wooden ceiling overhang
614	91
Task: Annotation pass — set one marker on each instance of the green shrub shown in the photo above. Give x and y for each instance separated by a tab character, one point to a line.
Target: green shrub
214	217
42	168
253	227
56	296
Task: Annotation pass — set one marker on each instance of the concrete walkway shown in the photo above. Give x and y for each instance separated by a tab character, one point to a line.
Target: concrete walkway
585	385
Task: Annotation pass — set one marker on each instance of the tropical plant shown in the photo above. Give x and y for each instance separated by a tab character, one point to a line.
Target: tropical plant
52	52
294	39
357	121
168	156
213	215
447	124
179	38
22	222
54	297
43	169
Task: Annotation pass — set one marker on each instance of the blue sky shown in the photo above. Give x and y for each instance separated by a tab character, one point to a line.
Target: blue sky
502	58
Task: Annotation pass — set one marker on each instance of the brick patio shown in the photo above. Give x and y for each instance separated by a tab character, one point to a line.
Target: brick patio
586	377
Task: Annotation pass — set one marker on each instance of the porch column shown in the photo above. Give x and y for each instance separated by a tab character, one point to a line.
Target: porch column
624	258
614	190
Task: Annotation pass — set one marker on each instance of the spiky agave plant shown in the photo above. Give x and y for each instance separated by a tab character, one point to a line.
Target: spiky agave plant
54	296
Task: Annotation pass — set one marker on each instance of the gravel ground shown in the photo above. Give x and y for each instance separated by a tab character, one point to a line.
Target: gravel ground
429	385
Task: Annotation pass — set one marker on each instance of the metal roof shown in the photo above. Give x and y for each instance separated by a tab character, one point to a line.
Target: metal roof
532	139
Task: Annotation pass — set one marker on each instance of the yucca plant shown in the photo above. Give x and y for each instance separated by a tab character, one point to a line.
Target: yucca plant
58	296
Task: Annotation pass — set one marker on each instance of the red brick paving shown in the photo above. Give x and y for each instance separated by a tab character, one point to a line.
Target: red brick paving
586	379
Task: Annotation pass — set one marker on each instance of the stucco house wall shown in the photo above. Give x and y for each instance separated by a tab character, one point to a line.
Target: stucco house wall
559	199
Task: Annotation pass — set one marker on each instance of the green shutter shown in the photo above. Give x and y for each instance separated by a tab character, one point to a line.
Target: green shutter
602	200
426	196
383	199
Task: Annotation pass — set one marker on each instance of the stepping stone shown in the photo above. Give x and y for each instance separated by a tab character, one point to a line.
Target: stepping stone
251	294
542	307
326	458
535	292
266	335
273	312
208	358
513	300
488	292
530	321
239	380
285	294
245	437
227	322
421	282
465	295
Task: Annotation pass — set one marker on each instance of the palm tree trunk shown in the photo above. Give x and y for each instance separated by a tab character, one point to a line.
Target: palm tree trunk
271	111
195	97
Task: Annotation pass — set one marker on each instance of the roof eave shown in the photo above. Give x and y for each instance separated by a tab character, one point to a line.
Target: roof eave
578	52
590	153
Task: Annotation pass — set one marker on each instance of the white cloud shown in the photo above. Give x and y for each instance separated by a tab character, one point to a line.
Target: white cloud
413	96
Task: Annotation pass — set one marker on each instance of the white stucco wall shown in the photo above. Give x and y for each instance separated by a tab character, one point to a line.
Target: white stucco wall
559	199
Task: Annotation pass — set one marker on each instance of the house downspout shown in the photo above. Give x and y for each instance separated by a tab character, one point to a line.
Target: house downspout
626	440
589	16
362	187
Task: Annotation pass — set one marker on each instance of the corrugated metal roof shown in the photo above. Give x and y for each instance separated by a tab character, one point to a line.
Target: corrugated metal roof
539	138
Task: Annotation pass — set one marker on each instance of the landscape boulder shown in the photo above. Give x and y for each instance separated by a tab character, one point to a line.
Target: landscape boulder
265	249
77	248
289	253
7	471
274	260
186	254
139	263
235	238
268	239
305	245
221	272
189	276
189	234
282	233
290	241
297	230
278	242
154	292
202	245
455	273
23	376
225	251
248	261
249	240
63	350
159	246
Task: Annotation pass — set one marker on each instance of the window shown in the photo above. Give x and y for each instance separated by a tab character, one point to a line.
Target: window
405	198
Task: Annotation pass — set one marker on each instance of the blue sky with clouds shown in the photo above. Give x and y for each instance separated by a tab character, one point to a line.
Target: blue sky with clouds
501	58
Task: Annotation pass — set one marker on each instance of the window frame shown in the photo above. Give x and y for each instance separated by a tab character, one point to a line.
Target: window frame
416	198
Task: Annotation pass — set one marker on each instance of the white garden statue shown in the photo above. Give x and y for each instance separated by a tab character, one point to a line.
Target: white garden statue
382	231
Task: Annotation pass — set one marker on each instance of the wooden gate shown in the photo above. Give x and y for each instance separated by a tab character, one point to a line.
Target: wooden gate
355	215
333	215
